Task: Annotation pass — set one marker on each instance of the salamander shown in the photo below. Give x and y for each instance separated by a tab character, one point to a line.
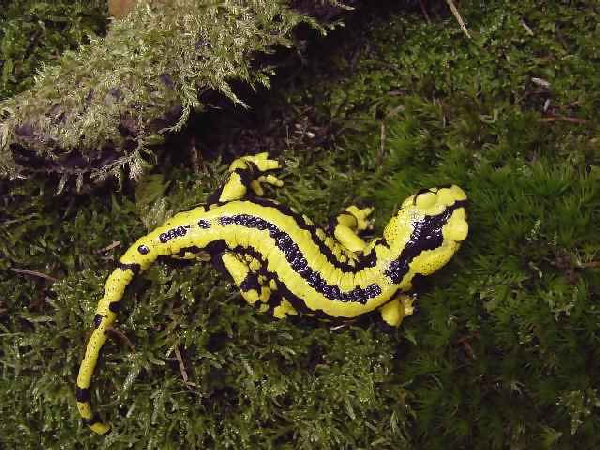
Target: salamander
283	264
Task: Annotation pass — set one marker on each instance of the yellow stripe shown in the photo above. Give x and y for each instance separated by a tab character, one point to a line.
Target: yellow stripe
260	240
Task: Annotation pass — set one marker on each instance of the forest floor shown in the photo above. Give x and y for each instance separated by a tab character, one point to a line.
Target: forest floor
503	350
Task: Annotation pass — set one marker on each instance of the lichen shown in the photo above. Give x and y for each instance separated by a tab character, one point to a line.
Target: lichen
97	111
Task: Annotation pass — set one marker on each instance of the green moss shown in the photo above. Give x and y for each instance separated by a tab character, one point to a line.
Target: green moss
503	350
33	33
98	110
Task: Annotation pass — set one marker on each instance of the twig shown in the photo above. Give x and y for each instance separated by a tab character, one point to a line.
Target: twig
184	374
424	11
109	247
35	273
541	82
394	112
591	264
383	132
382	137
194	155
458	17
464	341
563	119
114	333
527	29
182	370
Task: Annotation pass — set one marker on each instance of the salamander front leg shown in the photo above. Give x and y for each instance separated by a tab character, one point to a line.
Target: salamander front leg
348	224
246	173
394	311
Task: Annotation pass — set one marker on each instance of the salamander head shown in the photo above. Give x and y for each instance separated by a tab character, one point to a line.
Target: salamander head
425	233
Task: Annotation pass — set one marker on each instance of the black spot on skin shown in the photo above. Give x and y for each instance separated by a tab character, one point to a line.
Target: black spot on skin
284	292
249	283
135	268
114	306
423	191
95	419
275	299
82	395
98	320
247	175
173	233
143	250
203	224
382	241
216	249
226	220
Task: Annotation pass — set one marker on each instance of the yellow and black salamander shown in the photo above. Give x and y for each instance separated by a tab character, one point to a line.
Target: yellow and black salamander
284	264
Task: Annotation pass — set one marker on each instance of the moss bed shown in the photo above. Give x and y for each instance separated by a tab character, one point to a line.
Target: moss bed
503	351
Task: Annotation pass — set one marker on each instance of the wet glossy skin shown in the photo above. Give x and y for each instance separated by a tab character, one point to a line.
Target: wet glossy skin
284	264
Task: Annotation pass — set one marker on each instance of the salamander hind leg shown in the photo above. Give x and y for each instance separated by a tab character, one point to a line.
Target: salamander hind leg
246	279
247	172
255	288
347	225
393	312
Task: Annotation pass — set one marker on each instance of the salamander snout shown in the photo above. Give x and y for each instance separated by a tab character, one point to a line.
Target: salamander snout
447	202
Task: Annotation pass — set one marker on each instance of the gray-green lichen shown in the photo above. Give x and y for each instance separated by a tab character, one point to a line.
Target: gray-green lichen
97	111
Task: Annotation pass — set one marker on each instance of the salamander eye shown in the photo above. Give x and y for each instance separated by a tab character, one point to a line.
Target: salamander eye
143	250
98	320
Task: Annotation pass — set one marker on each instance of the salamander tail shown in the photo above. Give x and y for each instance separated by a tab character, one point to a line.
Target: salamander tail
136	259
